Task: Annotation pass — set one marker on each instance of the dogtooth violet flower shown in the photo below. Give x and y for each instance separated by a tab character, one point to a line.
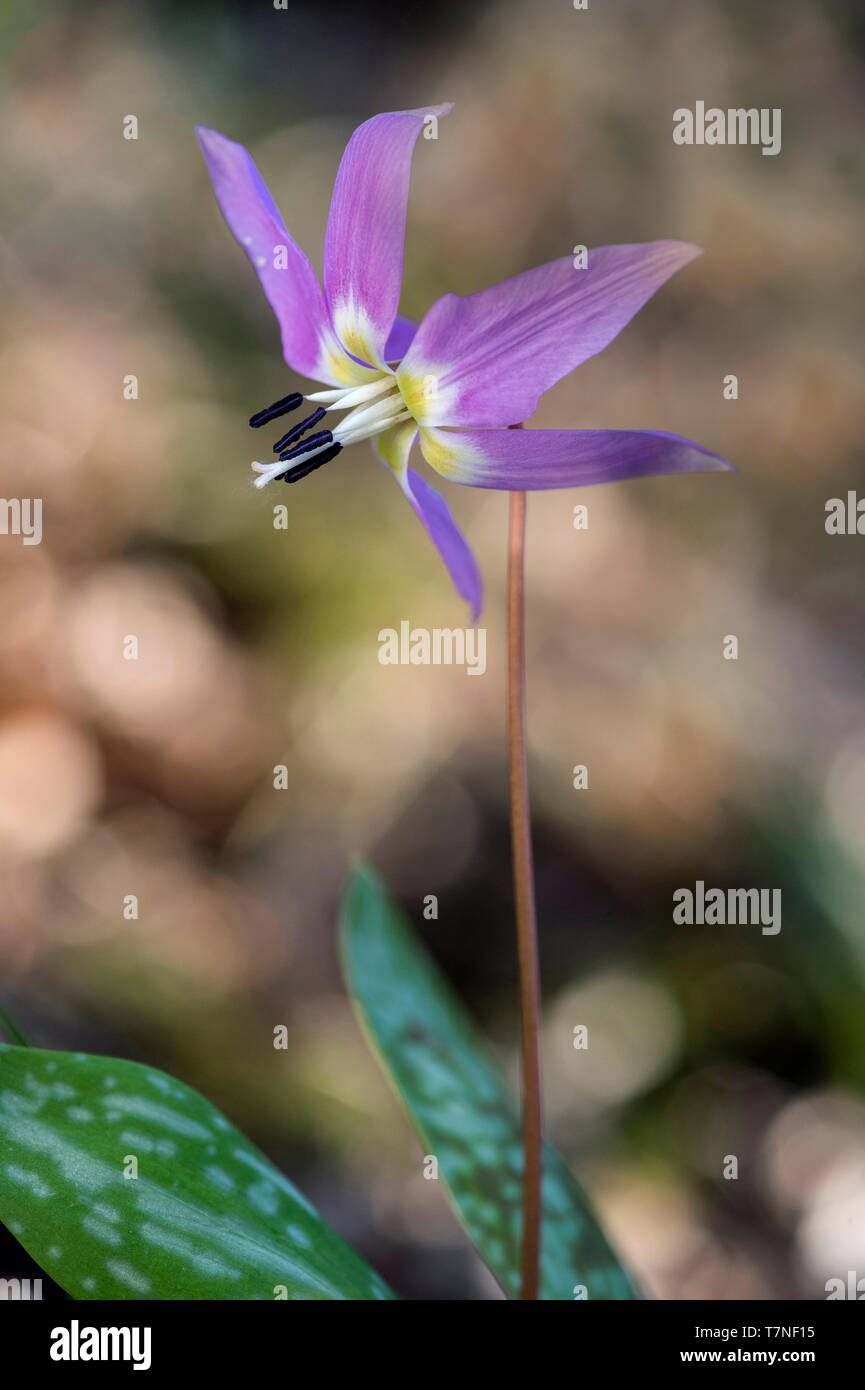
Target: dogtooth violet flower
476	364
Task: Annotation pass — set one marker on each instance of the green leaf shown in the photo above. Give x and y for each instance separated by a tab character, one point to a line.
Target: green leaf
207	1217
461	1109
11	1029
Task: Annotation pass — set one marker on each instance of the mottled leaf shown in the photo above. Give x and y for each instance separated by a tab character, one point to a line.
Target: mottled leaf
207	1217
461	1108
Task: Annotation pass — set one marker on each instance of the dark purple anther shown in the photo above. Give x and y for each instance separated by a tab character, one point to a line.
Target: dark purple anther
273	412
297	430
314	442
294	475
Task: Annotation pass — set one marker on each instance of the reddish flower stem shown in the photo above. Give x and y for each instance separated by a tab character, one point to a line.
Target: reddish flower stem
524	894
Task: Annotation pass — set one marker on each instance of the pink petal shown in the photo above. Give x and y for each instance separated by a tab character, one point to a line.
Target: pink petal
393	448
366	230
486	358
527	460
309	344
400	338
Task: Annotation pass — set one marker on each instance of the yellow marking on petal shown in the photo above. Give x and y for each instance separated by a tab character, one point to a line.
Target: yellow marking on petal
356	333
421	392
447	458
339	367
394	446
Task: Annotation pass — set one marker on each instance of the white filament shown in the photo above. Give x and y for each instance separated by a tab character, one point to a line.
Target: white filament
367	416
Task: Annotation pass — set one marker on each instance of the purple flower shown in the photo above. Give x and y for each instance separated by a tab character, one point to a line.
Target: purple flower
475	365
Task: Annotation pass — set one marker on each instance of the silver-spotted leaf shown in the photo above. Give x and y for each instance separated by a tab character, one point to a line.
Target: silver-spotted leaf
461	1108
123	1183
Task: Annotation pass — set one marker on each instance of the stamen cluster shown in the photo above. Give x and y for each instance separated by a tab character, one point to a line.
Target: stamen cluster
371	408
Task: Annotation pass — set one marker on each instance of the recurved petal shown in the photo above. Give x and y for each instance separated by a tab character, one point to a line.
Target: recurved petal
363	251
484	359
393	448
309	344
528	460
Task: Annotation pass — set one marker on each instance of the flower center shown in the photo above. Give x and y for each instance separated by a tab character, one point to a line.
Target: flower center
371	408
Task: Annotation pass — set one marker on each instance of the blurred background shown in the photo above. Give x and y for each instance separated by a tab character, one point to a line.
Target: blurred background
258	647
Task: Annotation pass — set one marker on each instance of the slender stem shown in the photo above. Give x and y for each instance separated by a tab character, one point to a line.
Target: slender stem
524	893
